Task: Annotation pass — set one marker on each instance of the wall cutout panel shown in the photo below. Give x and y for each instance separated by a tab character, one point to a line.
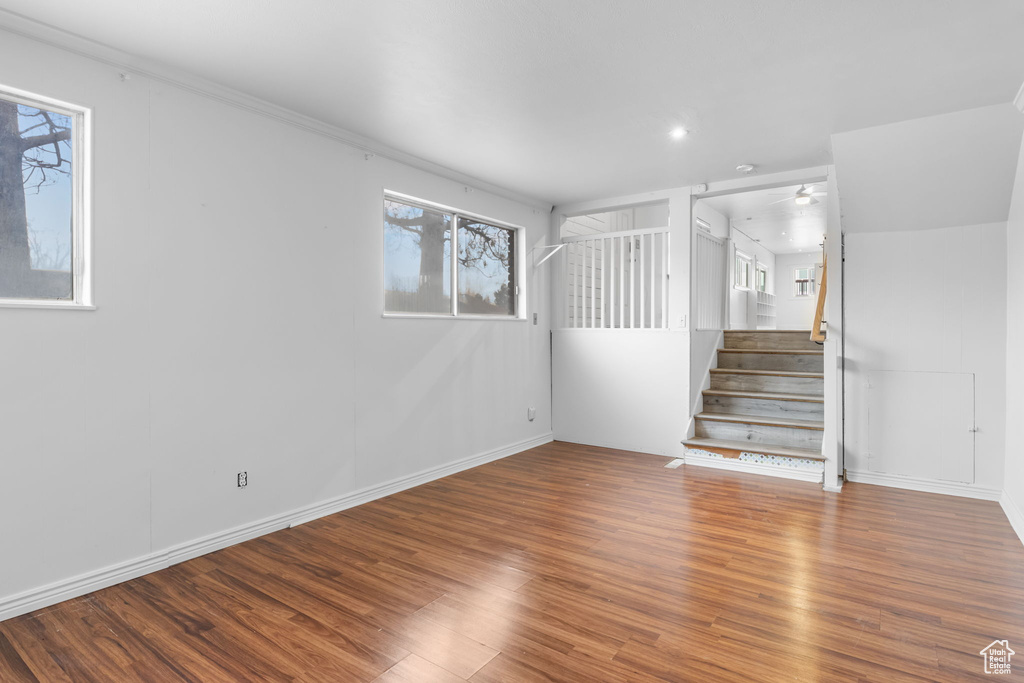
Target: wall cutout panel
921	424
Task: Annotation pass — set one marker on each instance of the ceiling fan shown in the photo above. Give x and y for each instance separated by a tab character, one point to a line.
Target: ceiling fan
804	196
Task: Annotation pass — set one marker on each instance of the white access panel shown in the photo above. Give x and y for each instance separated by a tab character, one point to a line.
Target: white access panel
921	424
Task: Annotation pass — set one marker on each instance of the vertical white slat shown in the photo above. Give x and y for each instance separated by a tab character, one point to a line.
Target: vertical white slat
565	282
575	284
664	273
572	300
593	283
632	282
666	246
581	266
643	303
583	285
622	282
654	269
611	282
603	290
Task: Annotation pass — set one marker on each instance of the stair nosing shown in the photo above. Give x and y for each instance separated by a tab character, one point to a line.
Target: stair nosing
808	332
776	352
735	418
771	373
752	447
765	395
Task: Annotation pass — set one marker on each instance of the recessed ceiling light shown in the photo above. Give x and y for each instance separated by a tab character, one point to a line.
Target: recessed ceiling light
783	233
677	133
745	168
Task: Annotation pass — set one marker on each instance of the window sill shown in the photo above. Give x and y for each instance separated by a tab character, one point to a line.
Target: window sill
413	316
44	305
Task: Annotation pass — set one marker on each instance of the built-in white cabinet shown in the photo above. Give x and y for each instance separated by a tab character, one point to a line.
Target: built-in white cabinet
766	315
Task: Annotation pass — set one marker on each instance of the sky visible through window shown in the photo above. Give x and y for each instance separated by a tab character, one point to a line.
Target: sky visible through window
48	203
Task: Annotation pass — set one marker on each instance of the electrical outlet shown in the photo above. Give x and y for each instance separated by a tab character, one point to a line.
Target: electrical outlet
243	479
531	414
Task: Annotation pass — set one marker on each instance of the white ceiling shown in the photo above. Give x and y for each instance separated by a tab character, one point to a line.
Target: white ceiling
773	219
568	100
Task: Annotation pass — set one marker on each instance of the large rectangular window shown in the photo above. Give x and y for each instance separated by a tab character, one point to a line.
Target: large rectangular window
421	271
43	257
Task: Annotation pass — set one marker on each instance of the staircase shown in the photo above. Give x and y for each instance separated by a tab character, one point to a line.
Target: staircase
764	411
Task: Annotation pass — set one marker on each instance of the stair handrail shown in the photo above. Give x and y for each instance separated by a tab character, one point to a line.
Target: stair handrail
817	335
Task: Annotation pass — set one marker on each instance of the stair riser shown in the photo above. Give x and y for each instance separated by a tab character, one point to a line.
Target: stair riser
770	340
782	385
771	361
797	410
768	434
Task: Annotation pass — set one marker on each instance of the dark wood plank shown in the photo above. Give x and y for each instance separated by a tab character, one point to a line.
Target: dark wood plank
567	563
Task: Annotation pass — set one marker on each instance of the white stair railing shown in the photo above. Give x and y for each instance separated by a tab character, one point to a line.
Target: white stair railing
617	279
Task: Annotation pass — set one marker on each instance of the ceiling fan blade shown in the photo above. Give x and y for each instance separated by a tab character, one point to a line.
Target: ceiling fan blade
814	201
787	198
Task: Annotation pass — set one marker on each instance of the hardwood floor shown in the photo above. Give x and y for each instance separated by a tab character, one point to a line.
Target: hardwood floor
567	563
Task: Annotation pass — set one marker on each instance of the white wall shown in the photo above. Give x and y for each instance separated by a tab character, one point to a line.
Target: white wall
743	303
719	223
238	262
794	313
935	172
1013	475
623	389
926	301
925	204
704	345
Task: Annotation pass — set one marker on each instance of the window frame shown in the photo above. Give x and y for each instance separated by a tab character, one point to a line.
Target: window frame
811	281
748	264
761	268
518	273
81	201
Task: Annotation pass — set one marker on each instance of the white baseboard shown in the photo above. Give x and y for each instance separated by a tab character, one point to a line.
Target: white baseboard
44	596
1013	513
753	468
947	488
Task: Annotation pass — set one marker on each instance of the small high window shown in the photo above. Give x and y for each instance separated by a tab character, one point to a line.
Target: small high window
43	246
803	281
421	270
741	274
761	278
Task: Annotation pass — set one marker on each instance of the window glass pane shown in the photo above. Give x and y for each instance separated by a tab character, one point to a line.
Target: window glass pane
486	269
417	259
36	200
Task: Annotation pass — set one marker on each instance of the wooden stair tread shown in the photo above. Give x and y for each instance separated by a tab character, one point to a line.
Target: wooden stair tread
776	352
765	395
762	420
748	447
808	332
776	373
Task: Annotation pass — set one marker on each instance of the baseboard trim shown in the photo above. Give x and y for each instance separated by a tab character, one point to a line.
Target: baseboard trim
1013	513
946	488
44	596
736	465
